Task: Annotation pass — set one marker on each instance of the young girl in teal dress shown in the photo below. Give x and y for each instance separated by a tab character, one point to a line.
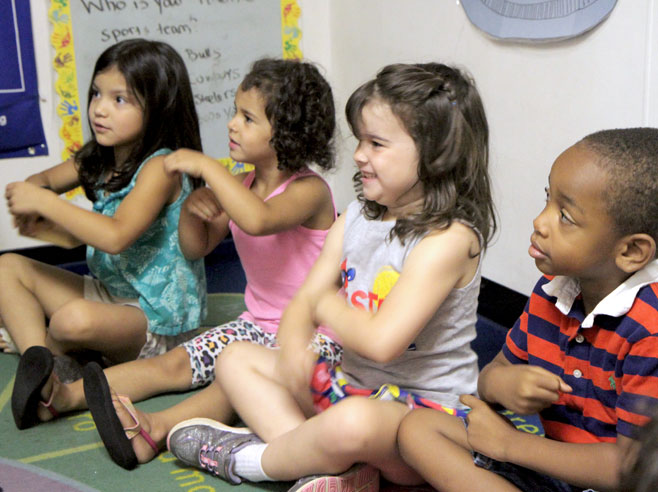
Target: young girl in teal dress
145	295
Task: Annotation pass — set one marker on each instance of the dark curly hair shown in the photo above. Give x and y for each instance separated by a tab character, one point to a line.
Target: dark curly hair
156	74
299	105
629	156
441	110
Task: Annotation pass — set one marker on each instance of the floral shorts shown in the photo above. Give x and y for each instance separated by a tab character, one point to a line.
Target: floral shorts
205	348
329	386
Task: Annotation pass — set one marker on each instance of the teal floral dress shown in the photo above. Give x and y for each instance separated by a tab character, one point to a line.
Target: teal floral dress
171	289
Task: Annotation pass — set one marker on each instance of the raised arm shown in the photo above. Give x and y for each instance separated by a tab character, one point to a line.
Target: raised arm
438	263
301	200
202	224
60	178
153	189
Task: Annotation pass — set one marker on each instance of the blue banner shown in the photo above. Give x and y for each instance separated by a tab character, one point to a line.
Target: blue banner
21	131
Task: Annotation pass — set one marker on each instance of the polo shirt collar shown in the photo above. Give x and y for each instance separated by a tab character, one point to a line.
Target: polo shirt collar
617	303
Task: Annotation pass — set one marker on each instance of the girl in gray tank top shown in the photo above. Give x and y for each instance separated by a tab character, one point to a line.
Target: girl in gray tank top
397	281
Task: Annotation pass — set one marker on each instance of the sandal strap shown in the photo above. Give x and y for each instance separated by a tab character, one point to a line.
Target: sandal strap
135	430
49	404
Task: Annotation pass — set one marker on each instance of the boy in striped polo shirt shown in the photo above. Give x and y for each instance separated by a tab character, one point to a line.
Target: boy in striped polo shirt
584	353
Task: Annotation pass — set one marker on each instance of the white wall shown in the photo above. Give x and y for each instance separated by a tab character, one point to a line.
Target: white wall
539	98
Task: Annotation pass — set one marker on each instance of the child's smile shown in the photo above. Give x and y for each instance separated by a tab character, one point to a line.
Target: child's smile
387	158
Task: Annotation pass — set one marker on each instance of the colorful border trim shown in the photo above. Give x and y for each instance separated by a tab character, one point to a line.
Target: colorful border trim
291	34
66	85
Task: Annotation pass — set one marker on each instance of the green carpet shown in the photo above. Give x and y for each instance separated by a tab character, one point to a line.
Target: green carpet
70	446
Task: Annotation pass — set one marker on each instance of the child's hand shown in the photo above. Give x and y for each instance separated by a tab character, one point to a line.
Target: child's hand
488	432
26	223
528	389
25	198
202	204
185	161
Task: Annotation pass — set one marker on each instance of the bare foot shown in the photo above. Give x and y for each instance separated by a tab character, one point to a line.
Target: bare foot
143	450
7	345
65	397
48	394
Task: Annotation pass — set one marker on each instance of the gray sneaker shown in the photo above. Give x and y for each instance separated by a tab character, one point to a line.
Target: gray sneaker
359	478
210	445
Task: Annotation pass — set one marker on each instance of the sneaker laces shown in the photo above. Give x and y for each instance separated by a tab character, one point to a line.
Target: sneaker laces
207	458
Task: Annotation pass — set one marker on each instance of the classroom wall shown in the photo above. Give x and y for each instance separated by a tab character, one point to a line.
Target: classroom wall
539	98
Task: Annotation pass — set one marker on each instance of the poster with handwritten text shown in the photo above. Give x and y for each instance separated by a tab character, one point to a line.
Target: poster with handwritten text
218	40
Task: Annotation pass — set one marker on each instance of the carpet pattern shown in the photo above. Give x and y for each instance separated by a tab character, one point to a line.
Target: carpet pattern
67	455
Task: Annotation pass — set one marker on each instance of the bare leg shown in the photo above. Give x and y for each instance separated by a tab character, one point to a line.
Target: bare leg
117	331
32	291
209	403
370	429
300	447
245	373
435	445
138	379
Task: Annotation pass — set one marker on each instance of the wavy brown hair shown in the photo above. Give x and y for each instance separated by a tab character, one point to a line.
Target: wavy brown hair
441	110
299	105
156	74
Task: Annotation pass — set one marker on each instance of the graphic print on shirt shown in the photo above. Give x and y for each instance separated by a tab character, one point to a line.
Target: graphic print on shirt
384	281
346	276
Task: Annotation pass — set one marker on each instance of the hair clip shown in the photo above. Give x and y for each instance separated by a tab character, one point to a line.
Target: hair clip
454	103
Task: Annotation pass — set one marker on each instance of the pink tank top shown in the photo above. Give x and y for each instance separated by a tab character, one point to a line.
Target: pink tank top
276	265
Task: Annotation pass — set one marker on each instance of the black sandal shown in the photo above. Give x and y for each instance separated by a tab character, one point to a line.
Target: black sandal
34	369
108	425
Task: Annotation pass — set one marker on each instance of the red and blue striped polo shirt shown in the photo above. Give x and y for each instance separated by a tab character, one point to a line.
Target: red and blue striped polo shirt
612	365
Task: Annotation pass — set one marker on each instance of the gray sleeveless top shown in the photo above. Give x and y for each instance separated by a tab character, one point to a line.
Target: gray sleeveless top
439	364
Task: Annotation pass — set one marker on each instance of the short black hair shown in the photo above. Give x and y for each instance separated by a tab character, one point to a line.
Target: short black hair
629	156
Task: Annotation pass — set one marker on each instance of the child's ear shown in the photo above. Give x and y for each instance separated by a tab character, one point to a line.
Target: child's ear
635	251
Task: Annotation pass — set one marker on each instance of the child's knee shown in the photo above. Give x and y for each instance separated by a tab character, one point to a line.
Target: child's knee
72	322
418	425
355	419
174	364
235	354
12	265
412	427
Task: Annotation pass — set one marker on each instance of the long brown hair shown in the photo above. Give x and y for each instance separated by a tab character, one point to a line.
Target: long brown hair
156	74
441	110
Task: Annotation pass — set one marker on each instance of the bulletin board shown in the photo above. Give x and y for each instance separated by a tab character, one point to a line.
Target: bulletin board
217	39
21	131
